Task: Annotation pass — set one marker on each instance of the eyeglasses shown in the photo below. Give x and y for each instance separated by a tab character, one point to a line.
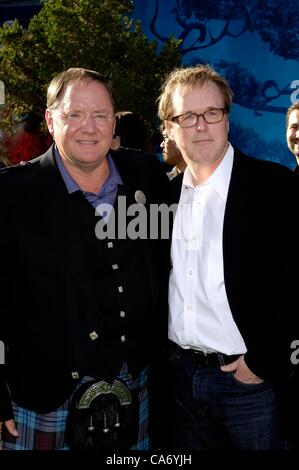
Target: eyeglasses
78	117
211	116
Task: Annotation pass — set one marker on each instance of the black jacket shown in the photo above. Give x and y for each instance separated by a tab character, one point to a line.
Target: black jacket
46	281
260	266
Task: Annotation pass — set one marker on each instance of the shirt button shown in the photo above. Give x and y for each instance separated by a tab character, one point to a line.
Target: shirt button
110	245
122	314
120	289
115	266
189	306
75	375
123	338
93	335
190	272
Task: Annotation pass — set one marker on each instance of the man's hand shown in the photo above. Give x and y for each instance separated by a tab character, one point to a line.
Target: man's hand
11	428
242	372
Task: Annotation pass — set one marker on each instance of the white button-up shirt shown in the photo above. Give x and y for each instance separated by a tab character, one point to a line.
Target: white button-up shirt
200	316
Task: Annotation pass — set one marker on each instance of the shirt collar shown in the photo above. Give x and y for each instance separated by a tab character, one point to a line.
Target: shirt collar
219	179
113	179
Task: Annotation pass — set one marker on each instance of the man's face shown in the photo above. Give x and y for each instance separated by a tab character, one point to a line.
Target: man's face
83	143
171	153
293	133
204	144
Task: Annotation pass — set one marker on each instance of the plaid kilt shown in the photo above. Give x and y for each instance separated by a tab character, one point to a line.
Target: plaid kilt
47	431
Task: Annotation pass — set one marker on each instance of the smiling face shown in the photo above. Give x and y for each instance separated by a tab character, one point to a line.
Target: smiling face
203	145
83	144
293	133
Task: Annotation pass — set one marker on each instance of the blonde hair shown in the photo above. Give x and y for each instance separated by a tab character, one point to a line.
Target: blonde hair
292	108
191	76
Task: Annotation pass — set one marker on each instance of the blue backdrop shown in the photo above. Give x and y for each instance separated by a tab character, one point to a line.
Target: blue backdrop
254	44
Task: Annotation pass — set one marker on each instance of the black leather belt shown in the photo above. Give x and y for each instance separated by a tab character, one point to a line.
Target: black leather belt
206	359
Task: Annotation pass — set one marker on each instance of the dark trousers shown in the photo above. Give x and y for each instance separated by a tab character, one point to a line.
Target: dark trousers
210	409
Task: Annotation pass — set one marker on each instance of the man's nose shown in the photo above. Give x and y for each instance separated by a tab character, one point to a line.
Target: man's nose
201	123
88	124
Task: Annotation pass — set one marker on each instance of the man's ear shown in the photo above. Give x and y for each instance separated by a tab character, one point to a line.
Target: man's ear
49	121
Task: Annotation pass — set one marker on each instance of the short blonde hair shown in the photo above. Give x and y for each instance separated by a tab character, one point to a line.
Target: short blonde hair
292	108
58	85
191	76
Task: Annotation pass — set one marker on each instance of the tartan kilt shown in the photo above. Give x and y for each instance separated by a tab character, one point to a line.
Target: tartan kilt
47	431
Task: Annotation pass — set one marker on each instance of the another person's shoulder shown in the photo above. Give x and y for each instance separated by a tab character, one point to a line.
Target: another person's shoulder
136	160
130	154
143	171
11	171
15	176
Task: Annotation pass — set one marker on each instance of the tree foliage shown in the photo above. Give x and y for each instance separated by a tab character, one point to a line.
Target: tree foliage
99	35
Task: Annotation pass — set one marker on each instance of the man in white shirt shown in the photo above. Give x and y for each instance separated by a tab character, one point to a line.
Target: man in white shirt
229	302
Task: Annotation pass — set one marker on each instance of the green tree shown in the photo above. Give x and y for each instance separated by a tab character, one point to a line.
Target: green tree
99	35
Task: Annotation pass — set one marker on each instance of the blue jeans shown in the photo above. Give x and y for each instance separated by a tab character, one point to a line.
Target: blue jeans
210	409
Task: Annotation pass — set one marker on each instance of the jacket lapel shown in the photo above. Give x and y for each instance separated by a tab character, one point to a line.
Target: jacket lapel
235	225
63	227
176	187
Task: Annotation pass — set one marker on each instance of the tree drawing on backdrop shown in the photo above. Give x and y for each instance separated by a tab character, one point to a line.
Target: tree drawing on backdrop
204	24
79	33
